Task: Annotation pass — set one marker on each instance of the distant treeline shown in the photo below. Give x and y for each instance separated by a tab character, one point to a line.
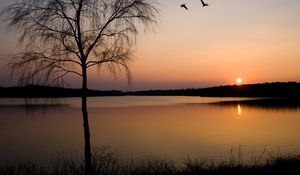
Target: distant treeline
33	91
275	89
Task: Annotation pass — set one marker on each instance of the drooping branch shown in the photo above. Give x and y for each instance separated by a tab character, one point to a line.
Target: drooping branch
36	67
76	33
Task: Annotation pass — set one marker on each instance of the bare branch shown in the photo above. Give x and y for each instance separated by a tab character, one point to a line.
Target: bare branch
62	37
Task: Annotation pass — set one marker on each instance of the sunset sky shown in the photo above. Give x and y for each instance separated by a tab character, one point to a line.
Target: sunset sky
255	40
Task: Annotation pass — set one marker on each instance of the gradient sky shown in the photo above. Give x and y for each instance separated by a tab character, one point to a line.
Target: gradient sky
257	40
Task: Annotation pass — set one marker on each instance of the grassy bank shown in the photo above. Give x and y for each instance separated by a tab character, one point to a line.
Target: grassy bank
106	163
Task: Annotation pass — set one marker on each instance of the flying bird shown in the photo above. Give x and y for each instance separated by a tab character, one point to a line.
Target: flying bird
184	6
203	3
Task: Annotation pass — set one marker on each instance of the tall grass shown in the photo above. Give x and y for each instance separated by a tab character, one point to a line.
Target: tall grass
105	162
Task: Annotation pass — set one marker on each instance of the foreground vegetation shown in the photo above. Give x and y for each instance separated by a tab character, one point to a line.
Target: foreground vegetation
106	163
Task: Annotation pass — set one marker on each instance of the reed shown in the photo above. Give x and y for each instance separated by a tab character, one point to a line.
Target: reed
105	162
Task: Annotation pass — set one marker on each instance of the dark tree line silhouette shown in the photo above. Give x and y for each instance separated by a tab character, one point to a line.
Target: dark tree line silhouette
276	89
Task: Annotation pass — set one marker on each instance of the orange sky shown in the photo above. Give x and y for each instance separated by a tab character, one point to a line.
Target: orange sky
256	40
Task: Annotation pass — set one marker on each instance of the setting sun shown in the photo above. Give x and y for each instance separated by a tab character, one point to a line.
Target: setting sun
239	81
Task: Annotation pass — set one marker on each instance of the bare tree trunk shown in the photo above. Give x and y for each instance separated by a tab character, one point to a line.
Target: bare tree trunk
86	128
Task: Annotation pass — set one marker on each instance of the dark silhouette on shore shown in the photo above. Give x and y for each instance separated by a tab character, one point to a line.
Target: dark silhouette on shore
32	91
276	89
184	6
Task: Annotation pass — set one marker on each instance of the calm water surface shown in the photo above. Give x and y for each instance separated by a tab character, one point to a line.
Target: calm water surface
172	127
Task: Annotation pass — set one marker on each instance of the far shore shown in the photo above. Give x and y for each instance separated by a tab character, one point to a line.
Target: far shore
274	89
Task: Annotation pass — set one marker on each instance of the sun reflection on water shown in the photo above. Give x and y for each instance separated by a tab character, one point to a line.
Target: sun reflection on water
239	111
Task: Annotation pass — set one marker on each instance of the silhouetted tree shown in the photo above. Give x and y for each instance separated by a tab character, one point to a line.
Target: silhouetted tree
62	37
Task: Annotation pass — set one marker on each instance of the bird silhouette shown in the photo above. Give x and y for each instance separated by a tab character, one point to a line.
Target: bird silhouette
203	3
184	6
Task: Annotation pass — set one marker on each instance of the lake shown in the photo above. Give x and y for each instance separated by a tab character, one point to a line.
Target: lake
171	127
